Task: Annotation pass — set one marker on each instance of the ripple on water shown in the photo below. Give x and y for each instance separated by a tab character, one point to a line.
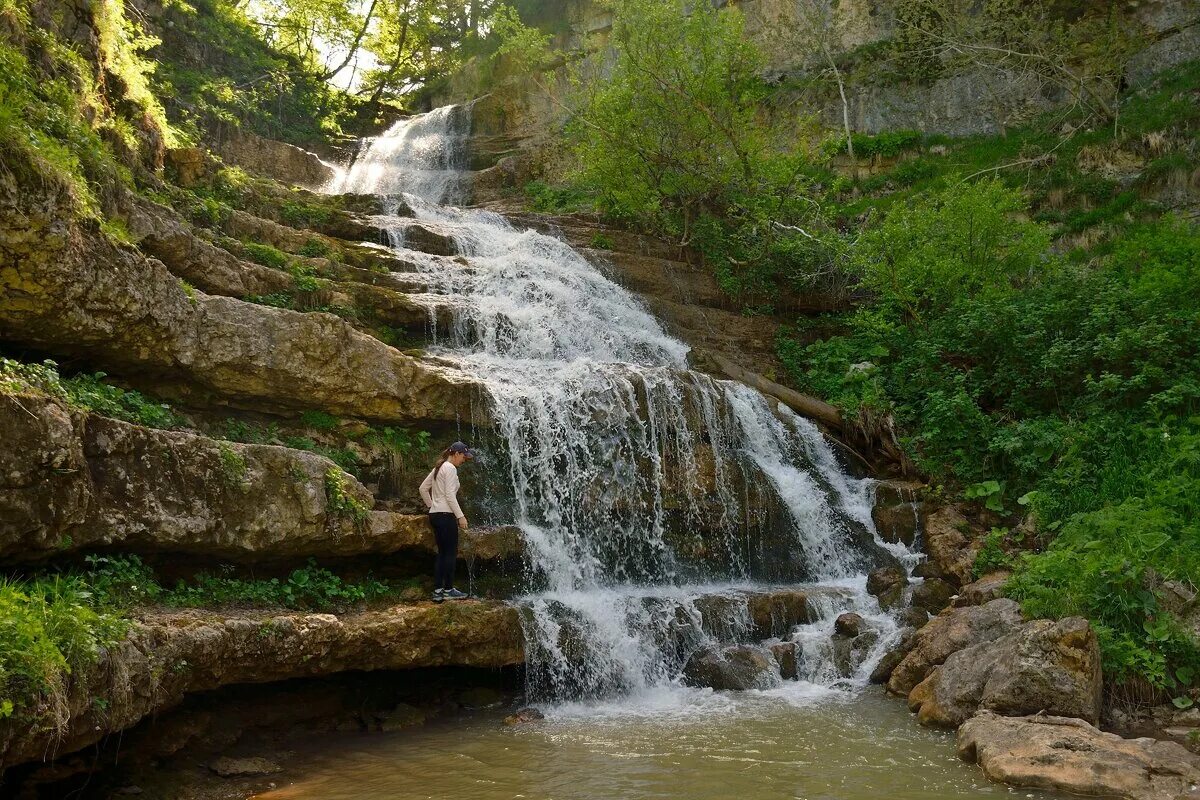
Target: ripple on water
811	743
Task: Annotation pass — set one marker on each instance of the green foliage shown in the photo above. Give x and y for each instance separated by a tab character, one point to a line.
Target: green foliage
992	556
86	393
275	300
233	465
315	248
303	215
601	241
960	242
556	199
49	629
266	255
888	144
341	502
320	420
123	581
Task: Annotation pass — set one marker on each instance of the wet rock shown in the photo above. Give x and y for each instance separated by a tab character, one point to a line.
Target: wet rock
785	656
167	655
949	632
849	652
398	718
1044	666
898	511
928	569
427	240
984	590
524	715
848	624
244	767
733	668
776	613
1069	755
932	595
914	618
892	658
887	585
952	545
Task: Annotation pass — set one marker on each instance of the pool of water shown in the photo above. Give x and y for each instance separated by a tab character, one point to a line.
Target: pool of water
798	741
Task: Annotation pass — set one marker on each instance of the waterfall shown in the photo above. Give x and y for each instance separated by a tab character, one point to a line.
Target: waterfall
641	486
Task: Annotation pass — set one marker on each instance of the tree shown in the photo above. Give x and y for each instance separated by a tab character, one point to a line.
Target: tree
820	29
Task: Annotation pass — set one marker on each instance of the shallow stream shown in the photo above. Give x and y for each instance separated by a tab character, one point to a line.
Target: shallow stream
797	741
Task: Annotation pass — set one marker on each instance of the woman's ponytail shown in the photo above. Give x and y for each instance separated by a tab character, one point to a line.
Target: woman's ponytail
441	460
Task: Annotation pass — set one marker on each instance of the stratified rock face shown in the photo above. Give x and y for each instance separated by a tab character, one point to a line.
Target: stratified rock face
70	480
734	668
283	162
1044	666
1069	755
167	655
949	632
73	293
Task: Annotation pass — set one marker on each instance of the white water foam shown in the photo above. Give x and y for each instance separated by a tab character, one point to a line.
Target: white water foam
637	482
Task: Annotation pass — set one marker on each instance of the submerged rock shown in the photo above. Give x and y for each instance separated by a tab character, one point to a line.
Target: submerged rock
1044	666
887	585
785	656
848	624
1069	755
528	714
735	668
244	767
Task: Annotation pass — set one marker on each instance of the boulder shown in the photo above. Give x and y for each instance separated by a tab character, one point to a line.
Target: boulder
168	654
898	512
949	632
951	545
734	668
776	613
984	590
848	624
887	585
932	595
914	618
417	236
1071	756
849	652
1044	666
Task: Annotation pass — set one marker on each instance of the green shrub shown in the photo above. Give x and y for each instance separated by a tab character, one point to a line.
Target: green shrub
266	255
341	502
49	629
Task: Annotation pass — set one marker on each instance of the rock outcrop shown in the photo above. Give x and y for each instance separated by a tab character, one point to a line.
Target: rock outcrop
1044	666
1069	755
73	293
169	654
949	632
71	480
283	162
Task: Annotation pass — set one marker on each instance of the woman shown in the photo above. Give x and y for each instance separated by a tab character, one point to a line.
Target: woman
439	490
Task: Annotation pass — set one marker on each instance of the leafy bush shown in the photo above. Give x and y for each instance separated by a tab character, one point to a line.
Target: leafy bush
87	393
49	629
266	255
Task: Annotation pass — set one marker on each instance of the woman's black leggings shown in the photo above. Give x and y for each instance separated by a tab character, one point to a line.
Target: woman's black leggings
445	533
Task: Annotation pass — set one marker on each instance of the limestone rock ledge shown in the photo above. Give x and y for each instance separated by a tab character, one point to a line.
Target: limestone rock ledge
68	291
169	654
71	480
1069	755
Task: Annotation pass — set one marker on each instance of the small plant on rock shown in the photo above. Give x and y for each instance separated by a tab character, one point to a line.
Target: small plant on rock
341	502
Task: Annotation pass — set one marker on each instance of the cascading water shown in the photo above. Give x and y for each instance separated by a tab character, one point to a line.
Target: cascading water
642	487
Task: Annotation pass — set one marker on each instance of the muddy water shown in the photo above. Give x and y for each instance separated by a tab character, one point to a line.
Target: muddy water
796	742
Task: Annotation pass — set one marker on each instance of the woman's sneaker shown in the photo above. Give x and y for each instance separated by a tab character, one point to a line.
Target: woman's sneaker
454	594
439	595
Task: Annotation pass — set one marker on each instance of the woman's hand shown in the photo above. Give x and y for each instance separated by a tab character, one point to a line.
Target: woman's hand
462	523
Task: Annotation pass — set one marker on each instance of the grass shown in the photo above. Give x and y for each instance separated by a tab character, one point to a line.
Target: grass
86	392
